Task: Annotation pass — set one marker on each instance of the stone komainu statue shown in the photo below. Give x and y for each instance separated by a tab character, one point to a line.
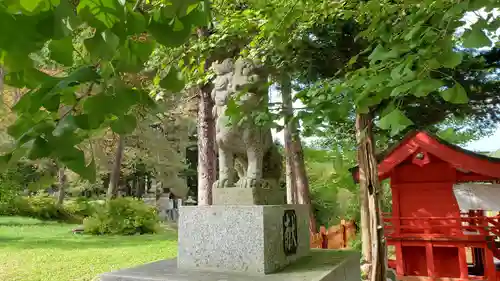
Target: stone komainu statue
244	147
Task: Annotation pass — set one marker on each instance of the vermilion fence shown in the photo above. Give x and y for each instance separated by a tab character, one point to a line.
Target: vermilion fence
335	237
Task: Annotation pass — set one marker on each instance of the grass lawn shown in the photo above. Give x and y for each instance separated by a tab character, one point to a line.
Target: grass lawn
34	250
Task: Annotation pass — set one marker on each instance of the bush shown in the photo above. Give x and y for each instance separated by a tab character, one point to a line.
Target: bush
41	207
81	207
123	216
8	193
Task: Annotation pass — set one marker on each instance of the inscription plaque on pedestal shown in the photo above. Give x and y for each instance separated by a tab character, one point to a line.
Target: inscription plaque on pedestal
290	241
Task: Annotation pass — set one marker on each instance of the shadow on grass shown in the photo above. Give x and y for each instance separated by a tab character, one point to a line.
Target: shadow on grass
39	223
9	239
75	241
40	234
27	221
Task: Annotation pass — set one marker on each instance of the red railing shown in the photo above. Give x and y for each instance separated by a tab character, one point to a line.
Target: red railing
442	226
472	229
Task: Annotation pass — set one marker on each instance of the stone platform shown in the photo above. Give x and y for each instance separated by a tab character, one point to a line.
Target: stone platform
318	265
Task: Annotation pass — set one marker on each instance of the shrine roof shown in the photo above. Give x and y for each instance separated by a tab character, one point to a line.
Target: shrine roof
456	156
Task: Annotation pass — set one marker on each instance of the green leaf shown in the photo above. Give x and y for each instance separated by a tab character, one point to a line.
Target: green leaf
338	163
4	161
478	4
82	121
68	96
416	28
166	34
31	101
134	54
15	60
450	59
30	78
52	102
353	60
455	94
173	81
22	125
447	134
90	171
62	51
31	5
15	79
82	75
74	159
65	126
100	14
19	153
403	89
124	125
98	105
124	98
396	72
103	45
40	149
178	25
135	23
146	100
427	86
396	121
88	122
191	7
378	53
381	54
198	14
65	20
475	38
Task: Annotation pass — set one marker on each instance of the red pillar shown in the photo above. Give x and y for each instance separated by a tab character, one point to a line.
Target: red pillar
429	255
489	265
400	270
462	261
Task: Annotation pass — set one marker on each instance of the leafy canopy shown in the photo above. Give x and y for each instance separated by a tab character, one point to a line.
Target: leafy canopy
412	46
118	36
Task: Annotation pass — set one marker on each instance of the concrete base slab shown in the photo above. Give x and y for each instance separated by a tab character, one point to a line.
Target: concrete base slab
319	265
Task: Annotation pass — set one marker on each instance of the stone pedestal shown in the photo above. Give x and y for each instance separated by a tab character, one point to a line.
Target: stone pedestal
241	238
260	195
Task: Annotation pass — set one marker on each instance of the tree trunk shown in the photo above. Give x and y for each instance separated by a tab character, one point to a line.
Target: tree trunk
115	172
286	94
206	149
135	184
141	187
301	181
366	236
61	175
368	178
365	222
297	162
206	139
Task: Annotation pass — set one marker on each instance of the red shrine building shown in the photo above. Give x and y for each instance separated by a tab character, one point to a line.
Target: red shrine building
439	229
